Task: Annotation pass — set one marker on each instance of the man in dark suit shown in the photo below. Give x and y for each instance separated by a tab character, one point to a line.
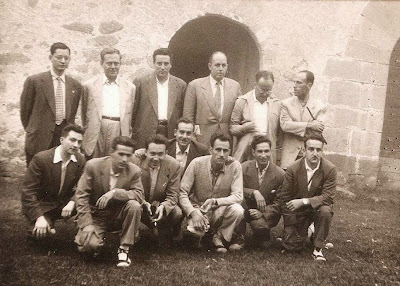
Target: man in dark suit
262	179
161	180
49	102
49	183
209	101
109	196
159	100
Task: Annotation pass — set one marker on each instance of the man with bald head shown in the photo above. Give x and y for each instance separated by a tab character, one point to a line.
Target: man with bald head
209	101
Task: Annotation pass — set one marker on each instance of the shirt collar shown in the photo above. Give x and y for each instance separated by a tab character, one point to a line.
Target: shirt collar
105	80
112	172
265	169
164	83
54	76
179	149
222	170
57	156
213	82
270	97
308	168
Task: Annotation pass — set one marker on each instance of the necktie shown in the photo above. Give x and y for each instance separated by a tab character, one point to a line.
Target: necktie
59	102
218	99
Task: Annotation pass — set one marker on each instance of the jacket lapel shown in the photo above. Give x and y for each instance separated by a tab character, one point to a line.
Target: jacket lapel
153	94
69	174
123	92
48	90
254	174
302	178
316	180
208	95
172	95
105	174
98	95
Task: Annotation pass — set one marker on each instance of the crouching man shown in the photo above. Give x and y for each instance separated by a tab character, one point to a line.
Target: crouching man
108	198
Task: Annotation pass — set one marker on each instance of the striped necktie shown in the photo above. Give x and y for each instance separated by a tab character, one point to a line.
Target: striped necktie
59	102
218	99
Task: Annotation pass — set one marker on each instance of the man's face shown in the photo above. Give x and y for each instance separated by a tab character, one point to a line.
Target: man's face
314	150
72	142
220	152
162	65
218	66
120	156
300	86
155	153
111	65
263	88
262	153
183	134
60	60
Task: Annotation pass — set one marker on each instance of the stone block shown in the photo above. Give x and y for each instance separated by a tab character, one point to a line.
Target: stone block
347	118
106	40
373	96
344	93
361	50
110	27
13	58
345	69
374	73
338	140
80	27
375	35
381	13
92	55
375	121
365	143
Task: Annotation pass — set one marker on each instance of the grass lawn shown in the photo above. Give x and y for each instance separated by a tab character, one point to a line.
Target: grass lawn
365	233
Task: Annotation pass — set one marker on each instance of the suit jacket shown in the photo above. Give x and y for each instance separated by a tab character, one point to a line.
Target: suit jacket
196	184
294	122
322	189
145	114
92	101
196	149
199	106
38	109
168	181
95	182
243	113
272	180
41	185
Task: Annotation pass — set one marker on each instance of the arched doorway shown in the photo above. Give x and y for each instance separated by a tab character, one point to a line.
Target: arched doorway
193	44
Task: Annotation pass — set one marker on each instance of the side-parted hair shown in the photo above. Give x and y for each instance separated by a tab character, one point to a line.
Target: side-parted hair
108	51
309	76
264	74
156	139
163	52
213	54
184	120
59	45
314	136
71	127
222	137
124	141
258	139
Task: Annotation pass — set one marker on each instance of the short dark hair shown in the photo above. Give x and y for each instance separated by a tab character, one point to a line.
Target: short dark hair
258	139
213	54
57	46
124	141
163	52
156	139
265	75
309	76
184	120
71	127
222	137
107	51
314	136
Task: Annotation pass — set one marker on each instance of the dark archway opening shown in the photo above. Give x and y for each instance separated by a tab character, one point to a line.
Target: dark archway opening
193	44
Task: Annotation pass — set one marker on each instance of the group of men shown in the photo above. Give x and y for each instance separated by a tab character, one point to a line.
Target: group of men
181	171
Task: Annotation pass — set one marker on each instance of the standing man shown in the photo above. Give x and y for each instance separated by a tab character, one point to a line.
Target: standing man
159	100
109	196
211	193
50	181
300	115
161	180
262	180
256	112
107	106
209	101
49	102
307	196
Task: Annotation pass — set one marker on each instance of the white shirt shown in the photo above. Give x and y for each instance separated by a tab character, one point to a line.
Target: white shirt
113	179
260	115
261	174
181	157
213	83
162	91
310	172
57	158
153	180
55	84
111	98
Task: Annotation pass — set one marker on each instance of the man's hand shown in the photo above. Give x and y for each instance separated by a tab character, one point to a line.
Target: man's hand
249	127
103	200
200	221
87	232
255	214
261	205
41	228
148	207
159	213
67	210
208	205
294	204
141	153
316	125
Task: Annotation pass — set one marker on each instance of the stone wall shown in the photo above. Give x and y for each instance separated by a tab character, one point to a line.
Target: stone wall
346	44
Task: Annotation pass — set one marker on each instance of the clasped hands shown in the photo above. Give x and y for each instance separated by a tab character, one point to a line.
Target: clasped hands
158	213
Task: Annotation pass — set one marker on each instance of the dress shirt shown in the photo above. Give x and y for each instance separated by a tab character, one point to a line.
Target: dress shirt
153	180
261	173
113	179
55	84
213	83
310	173
162	92
57	158
215	174
180	156
111	98
260	115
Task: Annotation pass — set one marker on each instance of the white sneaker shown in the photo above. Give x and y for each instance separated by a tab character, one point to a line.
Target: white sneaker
123	259
219	246
318	256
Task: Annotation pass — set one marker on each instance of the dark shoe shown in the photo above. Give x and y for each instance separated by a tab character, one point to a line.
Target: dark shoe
237	243
218	244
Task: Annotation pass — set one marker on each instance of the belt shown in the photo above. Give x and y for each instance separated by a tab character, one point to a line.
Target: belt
162	122
110	118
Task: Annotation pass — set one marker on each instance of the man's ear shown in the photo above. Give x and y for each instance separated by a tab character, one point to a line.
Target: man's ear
175	131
